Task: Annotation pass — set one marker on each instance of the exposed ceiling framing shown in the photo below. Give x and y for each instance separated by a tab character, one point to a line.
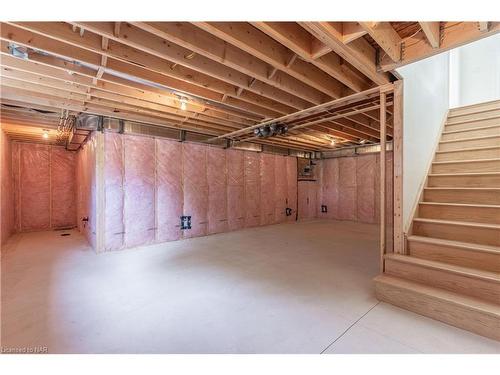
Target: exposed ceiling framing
216	78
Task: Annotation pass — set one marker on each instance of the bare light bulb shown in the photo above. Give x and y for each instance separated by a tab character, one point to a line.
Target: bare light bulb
45	134
332	142
183	104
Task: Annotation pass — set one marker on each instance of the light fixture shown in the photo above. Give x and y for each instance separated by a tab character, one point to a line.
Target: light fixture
45	134
333	141
363	141
183	104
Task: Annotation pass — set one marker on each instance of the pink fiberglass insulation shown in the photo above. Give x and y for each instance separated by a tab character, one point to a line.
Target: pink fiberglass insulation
34	187
169	193
7	187
330	187
267	188
347	189
217	190
63	190
252	189
195	188
291	186
313	199
139	188
113	191
235	189
86	186
303	200
365	184
280	194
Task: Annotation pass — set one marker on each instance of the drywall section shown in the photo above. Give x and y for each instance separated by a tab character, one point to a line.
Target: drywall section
86	190
44	187
7	192
426	89
475	72
150	183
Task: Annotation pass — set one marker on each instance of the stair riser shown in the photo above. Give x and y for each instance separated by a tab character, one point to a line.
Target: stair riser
471	143
442	310
455	255
472	133
463	196
489	153
467	167
478	235
489	215
473	287
488	112
464	181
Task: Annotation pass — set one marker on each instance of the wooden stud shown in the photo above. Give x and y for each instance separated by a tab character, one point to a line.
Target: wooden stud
383	147
399	242
432	32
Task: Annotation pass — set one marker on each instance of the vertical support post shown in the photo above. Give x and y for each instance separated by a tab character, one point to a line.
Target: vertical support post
399	241
100	198
382	177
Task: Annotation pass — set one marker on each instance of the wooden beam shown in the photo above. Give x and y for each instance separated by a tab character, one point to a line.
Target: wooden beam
432	32
145	67
386	37
454	34
140	42
484	26
358	53
265	47
295	38
318	49
117	86
253	41
352	31
208	45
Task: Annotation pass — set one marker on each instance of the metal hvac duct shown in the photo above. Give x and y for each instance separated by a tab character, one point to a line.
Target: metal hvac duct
87	122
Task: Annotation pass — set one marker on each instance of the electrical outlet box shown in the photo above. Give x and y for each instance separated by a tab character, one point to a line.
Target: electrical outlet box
324	209
185	222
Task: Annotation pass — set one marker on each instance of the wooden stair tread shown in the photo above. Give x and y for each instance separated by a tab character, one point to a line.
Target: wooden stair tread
492	105
441	294
462	188
461	204
466	161
446	267
470	129
470	139
467	149
456	222
484	118
466	174
457	244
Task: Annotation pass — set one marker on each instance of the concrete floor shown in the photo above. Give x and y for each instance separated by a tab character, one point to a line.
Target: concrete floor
289	288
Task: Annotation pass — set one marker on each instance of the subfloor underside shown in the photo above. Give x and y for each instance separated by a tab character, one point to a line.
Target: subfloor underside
290	288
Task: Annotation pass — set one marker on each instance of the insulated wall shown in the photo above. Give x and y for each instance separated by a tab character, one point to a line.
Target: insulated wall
44	186
350	188
7	186
86	190
150	183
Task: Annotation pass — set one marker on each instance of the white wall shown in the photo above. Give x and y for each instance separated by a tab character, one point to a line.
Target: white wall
426	100
475	72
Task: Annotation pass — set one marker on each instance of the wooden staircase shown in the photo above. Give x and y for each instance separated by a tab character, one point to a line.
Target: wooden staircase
451	269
